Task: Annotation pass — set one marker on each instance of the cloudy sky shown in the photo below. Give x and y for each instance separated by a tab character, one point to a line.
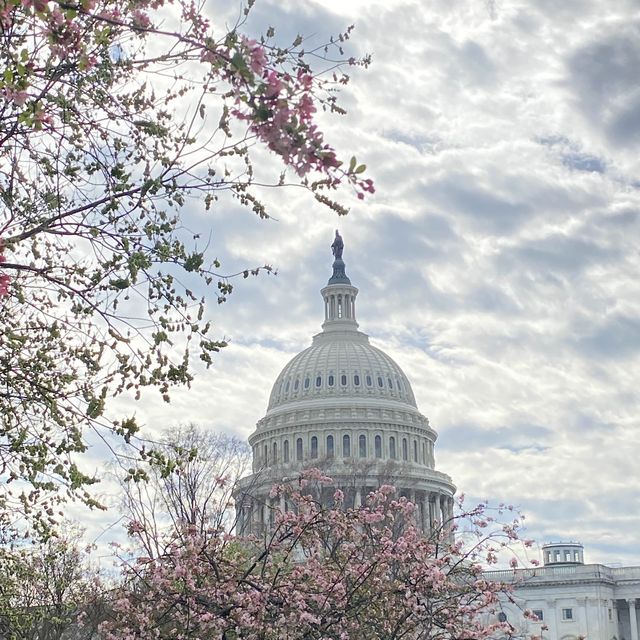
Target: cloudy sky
497	262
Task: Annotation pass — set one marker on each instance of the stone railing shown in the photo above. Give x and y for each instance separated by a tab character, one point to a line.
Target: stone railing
577	572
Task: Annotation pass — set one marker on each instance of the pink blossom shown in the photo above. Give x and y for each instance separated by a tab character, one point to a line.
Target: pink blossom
140	19
257	56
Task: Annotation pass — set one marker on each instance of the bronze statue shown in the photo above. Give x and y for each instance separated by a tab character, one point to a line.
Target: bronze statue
337	246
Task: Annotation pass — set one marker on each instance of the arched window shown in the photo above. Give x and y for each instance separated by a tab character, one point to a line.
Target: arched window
415	451
306	382
346	446
285	451
369	381
296	384
299	449
392	448
275	452
330	381
266	454
343	380
405	449
356	380
329	446
378	446
362	445
314	447
390	383
380	382
318	381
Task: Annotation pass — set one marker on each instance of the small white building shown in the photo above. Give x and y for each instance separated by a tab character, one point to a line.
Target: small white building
572	600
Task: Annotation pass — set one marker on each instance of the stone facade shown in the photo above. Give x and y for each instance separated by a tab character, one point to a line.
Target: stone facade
572	599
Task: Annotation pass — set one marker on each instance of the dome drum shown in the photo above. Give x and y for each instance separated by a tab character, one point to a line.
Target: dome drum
302	447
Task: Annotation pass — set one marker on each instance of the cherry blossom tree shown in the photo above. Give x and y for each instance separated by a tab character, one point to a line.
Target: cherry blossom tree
114	116
324	572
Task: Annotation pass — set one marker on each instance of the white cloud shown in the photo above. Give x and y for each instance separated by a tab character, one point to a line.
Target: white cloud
497	262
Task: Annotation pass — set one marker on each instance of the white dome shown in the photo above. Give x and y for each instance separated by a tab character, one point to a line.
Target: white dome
341	364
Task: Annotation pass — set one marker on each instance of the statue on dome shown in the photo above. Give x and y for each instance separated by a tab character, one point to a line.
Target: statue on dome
337	246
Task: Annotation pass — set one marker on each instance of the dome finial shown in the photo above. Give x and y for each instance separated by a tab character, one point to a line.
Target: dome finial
339	276
337	246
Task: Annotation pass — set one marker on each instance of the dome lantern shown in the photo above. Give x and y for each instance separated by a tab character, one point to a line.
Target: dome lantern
339	295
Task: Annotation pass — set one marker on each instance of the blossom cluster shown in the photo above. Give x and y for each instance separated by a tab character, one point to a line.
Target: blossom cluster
276	101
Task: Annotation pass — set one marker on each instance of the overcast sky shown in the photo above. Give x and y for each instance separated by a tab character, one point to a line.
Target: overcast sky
497	262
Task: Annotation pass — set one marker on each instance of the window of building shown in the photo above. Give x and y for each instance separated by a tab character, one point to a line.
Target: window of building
557	556
318	381
576	556
539	614
567	556
306	383
369	381
296	384
390	383
378	446
275	452
314	447
415	451
343	380
285	451
610	615
330	381
362	445
266	454
346	446
356	380
405	449
380	382
299	449
392	448
286	389
567	614
329	446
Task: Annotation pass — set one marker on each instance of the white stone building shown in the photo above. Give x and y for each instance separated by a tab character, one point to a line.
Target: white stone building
571	599
344	406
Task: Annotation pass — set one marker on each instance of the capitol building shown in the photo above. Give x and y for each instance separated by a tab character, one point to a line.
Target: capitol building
345	407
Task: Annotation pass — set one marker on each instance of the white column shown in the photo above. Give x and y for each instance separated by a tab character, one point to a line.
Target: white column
358	499
632	618
426	515
435	515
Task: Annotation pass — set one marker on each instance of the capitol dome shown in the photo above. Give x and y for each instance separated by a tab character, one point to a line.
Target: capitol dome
346	407
341	365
